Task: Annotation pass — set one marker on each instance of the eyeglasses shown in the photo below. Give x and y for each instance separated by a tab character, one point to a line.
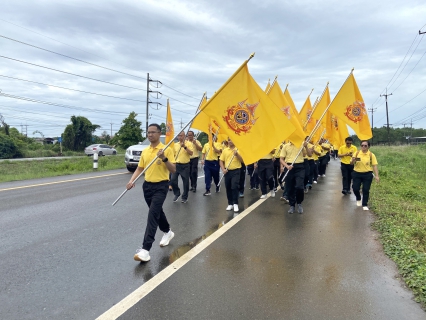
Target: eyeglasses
348	142
364	145
153	132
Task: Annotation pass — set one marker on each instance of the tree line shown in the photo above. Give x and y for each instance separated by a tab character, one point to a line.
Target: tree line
80	133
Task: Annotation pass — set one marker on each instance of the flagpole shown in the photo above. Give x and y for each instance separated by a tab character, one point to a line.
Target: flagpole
315	106
319	121
273	82
156	157
233	156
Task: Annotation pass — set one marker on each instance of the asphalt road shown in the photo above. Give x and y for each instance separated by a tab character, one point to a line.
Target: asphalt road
66	253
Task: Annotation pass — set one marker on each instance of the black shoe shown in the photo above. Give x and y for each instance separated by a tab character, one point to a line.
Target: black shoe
207	193
184	200
344	192
194	189
348	192
176	198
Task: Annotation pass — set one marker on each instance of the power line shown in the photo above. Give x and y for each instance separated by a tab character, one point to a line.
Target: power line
73	74
61	105
93	64
51	85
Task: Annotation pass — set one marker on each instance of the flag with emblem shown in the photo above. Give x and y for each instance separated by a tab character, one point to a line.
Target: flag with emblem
277	96
204	123
248	116
348	106
336	130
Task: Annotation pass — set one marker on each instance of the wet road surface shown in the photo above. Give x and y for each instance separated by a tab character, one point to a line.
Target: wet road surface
67	253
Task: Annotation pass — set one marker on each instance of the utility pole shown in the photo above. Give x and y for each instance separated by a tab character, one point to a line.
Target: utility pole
387	112
111	129
372	122
148	91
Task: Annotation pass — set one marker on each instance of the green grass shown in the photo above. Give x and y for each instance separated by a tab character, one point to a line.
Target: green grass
399	204
23	170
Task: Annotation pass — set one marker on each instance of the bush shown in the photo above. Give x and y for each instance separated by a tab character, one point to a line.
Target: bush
8	148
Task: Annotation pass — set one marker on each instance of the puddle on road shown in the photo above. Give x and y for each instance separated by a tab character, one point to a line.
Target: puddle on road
179	252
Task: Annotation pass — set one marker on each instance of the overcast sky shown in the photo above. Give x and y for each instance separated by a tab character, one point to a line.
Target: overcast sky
193	47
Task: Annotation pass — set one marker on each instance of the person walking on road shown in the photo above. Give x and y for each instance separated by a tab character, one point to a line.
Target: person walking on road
265	169
230	163
345	154
365	163
254	178
211	164
193	163
154	189
294	182
183	150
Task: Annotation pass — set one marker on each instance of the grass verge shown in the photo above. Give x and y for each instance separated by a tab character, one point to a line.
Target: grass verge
23	170
399	204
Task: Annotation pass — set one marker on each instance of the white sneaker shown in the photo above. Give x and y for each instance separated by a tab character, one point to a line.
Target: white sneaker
229	207
323	175
272	193
236	209
315	182
365	208
358	203
141	255
263	196
166	238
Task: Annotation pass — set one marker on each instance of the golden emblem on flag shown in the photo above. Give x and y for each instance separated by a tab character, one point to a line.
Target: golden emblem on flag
169	128
356	111
308	116
286	111
240	118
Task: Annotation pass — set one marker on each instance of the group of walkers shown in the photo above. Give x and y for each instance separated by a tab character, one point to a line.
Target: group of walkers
295	170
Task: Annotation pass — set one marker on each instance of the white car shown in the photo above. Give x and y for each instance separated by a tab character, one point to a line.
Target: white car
133	153
100	149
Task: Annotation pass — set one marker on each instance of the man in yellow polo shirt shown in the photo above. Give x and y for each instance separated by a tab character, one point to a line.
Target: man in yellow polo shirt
211	164
293	161
183	151
154	189
193	163
324	158
345	153
230	163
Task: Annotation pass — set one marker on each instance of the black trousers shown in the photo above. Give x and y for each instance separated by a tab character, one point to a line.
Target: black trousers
182	169
306	180
346	175
155	194
265	170
364	178
322	165
232	179
295	184
254	178
277	169
312	165
193	172
242	181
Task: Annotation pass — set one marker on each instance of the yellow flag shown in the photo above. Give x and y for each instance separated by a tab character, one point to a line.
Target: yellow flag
305	114
268	86
276	95
348	106
248	116
337	131
170	131
204	123
321	106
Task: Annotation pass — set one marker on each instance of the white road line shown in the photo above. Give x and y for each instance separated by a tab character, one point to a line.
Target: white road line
121	307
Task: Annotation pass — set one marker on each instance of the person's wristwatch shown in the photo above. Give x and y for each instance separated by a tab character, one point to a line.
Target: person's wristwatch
165	159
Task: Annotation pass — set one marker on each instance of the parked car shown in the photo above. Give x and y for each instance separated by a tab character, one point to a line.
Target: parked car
100	149
133	153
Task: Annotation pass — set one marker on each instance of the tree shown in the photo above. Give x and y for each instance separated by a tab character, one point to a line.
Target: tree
130	132
163	128
105	137
78	134
8	148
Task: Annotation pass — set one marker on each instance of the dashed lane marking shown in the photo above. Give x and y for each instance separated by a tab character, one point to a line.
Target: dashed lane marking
62	181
